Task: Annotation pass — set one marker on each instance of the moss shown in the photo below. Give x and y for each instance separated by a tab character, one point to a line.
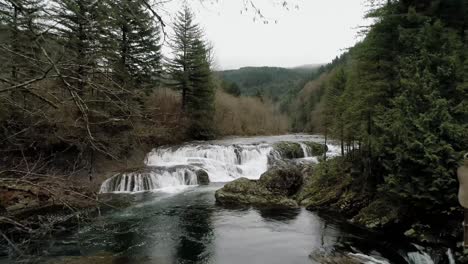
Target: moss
289	150
380	213
248	192
274	189
325	186
316	149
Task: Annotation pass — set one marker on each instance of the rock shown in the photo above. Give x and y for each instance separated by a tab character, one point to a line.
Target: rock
274	189
334	257
316	149
380	213
289	150
202	177
282	180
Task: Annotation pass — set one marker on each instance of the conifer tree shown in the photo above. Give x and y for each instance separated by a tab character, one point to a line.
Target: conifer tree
186	32
19	24
79	27
200	96
138	58
191	74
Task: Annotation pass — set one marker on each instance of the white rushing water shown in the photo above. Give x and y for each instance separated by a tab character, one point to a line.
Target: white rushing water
223	160
167	180
223	163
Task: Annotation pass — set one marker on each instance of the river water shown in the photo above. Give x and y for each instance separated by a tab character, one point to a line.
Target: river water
179	221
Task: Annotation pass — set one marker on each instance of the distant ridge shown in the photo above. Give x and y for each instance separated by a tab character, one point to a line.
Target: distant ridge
309	66
273	82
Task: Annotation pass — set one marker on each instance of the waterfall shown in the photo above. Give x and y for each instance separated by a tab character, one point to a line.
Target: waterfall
419	258
305	149
224	160
368	259
450	256
223	163
151	180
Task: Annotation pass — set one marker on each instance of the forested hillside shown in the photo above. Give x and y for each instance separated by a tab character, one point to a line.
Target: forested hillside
272	82
88	78
397	103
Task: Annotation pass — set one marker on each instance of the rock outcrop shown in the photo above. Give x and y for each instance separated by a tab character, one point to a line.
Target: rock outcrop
202	177
275	188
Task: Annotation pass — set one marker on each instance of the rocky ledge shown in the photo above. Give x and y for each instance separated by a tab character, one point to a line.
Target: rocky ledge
275	188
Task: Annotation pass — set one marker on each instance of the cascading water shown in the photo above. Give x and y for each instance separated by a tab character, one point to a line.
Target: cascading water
305	149
223	161
151	179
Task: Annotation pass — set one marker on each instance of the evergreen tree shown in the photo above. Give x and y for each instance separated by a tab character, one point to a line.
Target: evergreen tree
200	96
19	25
186	33
191	74
138	59
79	27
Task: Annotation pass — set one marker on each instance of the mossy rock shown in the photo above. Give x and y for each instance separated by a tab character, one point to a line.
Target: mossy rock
316	149
275	188
333	258
286	180
325	185
289	150
249	192
202	177
379	214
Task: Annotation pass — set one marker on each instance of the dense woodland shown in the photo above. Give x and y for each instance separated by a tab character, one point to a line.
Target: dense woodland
397	103
87	78
266	82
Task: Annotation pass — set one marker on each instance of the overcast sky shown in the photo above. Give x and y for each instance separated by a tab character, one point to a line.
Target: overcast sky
315	32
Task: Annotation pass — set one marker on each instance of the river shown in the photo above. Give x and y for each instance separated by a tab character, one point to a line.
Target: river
178	221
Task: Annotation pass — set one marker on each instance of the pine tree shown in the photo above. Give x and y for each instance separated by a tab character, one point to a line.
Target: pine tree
79	27
137	61
200	96
19	25
186	32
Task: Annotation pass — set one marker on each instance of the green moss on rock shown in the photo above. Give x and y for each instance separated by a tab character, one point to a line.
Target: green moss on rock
274	189
316	149
379	213
289	150
325	186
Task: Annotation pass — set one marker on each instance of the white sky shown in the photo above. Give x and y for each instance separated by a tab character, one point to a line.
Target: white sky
316	32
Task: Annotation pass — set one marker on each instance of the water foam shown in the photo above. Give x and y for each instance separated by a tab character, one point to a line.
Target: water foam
174	168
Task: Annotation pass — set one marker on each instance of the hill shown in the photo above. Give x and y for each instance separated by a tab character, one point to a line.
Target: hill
267	81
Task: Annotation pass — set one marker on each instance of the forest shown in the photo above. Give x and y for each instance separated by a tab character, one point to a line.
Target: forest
87	77
397	102
85	86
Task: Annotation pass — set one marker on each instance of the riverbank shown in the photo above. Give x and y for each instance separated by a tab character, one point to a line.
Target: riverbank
293	175
337	187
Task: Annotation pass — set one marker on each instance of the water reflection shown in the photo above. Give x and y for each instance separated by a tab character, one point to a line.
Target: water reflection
279	215
195	242
189	228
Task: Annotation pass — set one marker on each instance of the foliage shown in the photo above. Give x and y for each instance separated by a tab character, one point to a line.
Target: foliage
247	116
397	102
191	73
272	82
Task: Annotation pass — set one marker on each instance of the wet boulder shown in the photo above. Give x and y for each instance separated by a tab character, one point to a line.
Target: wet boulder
315	149
202	177
284	180
289	150
274	189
